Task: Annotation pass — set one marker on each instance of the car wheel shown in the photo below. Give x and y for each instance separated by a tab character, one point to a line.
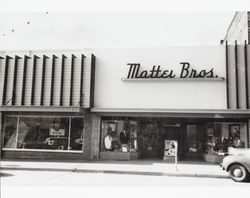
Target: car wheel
238	173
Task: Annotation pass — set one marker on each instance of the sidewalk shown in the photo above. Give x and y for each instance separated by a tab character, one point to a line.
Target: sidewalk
135	167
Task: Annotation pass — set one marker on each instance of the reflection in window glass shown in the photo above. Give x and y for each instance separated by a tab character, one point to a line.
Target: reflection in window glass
28	131
10	132
76	134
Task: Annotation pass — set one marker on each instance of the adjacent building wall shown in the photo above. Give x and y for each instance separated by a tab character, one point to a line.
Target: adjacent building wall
238	81
238	29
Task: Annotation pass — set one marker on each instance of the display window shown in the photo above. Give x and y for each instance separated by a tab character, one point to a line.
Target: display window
221	136
50	133
10	135
119	135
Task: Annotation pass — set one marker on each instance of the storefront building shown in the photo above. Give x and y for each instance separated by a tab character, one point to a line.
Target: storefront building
198	96
124	103
45	100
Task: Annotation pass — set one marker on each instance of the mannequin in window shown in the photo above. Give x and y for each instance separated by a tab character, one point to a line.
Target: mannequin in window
108	142
124	137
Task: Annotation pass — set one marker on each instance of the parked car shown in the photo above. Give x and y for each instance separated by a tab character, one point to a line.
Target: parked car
237	164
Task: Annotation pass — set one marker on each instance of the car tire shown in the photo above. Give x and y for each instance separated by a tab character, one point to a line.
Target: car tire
238	173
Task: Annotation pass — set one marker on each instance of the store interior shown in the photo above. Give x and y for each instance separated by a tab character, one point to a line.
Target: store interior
196	137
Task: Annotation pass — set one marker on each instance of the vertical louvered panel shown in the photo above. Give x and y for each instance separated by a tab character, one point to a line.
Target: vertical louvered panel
38	82
28	84
52	79
9	80
248	69
73	57
227	78
47	81
19	80
43	79
241	77
236	74
76	82
34	75
62	79
24	79
231	77
246	74
92	81
81	81
14	88
86	82
2	71
57	82
66	84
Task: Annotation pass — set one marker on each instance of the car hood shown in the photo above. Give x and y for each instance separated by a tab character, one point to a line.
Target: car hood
239	151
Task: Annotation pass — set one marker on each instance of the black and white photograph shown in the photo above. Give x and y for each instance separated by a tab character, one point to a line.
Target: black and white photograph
108	99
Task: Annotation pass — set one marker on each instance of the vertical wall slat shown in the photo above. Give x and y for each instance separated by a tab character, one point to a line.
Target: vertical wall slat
227	77
81	80
246	75
43	79
24	78
52	79
62	79
248	131
236	76
71	79
13	102
248	69
231	77
33	79
1	77
5	81
241	77
92	81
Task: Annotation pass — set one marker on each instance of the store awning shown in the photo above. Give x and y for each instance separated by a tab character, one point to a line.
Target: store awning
200	113
42	109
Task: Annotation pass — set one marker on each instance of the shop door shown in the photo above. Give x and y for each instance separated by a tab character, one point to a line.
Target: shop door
176	133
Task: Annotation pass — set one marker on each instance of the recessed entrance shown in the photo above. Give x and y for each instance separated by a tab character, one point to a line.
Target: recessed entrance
153	133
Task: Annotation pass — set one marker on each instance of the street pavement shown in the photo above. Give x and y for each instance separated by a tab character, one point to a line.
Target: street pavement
122	179
15	178
41	184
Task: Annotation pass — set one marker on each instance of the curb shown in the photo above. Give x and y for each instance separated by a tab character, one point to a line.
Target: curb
142	173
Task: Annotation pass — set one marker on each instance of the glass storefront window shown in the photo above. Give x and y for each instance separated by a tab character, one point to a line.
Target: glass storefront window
76	135
213	138
119	135
235	137
51	133
28	132
10	132
221	136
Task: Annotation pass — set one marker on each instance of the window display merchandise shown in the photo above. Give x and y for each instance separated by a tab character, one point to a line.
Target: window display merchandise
119	135
220	137
50	133
108	142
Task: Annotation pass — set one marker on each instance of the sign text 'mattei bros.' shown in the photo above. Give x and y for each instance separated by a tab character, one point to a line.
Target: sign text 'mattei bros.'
186	72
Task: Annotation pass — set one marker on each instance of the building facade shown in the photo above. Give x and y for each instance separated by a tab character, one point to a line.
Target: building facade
45	100
124	103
